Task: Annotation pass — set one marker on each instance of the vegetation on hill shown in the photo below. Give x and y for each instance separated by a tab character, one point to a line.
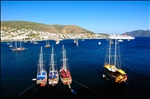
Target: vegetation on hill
43	27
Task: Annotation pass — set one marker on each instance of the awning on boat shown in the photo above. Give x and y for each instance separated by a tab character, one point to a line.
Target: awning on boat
121	71
52	76
111	67
42	73
53	73
40	77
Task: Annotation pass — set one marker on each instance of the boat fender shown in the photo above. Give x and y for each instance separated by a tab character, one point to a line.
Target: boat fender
34	79
73	91
104	76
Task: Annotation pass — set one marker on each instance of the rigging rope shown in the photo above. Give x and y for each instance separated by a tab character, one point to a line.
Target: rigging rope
54	90
81	84
26	89
93	90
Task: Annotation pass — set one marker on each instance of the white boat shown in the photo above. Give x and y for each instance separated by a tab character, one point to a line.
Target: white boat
123	37
99	43
57	41
82	39
47	44
120	40
112	66
35	42
41	78
77	44
25	41
7	43
53	77
74	40
10	45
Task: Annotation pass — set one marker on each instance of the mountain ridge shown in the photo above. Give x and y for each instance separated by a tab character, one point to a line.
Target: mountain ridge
139	33
56	28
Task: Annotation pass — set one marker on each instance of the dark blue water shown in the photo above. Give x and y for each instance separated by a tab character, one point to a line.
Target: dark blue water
86	66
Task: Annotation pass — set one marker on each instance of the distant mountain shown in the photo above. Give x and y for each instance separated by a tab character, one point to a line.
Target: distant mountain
139	33
43	27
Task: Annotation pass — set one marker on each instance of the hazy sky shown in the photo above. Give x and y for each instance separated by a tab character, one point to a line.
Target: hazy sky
98	16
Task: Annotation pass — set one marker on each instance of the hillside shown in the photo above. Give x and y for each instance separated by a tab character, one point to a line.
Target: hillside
43	27
139	33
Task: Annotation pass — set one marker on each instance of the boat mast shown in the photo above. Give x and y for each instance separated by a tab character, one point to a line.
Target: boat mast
16	44
115	56
41	60
109	50
64	58
52	58
20	44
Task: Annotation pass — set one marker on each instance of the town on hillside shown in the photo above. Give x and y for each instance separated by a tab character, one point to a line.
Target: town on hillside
9	34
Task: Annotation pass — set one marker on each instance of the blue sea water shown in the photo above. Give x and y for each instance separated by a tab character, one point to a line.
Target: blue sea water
86	66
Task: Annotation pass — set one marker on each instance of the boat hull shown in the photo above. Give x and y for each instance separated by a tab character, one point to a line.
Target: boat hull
47	46
42	83
53	78
18	49
115	76
42	79
65	77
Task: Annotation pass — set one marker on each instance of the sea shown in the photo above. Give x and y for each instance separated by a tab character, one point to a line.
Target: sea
86	66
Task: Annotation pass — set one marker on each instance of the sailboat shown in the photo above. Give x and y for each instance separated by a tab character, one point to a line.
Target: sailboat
57	41
47	44
24	40
112	66
77	43
41	78
35	42
18	48
53	77
65	75
99	43
120	40
10	44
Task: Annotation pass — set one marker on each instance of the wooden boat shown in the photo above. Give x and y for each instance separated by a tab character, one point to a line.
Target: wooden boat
65	75
53	77
21	48
112	65
47	44
41	78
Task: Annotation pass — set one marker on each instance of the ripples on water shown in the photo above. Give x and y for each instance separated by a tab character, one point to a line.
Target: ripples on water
86	66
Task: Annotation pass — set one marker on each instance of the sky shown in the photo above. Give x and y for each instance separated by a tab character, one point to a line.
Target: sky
112	17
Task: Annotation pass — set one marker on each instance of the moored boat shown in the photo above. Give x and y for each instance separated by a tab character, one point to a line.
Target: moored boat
47	44
53	77
65	75
112	66
41	78
21	48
